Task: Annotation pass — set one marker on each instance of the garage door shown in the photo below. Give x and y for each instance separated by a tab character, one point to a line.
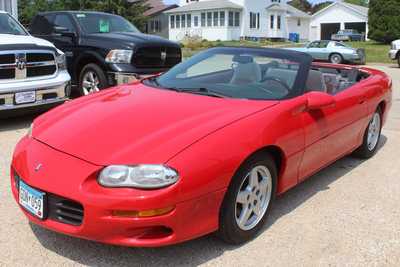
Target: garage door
361	27
327	29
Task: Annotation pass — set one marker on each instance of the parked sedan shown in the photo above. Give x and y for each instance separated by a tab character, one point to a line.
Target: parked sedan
348	35
335	52
205	147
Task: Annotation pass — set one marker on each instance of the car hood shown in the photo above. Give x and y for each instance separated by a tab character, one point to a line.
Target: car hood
137	124
133	39
11	39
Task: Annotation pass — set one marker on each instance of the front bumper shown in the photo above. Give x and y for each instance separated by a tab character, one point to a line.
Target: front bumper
48	92
119	78
77	182
393	54
355	58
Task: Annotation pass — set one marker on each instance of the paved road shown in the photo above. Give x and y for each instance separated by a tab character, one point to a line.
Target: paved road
348	214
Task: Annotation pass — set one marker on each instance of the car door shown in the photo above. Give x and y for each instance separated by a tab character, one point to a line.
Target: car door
333	131
313	49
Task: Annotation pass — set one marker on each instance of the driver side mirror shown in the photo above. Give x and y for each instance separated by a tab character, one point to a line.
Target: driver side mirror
62	31
319	100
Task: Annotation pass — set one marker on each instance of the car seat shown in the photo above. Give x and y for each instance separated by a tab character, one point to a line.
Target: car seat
246	71
315	82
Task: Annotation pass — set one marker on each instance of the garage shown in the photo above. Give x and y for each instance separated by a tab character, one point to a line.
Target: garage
338	16
361	27
327	29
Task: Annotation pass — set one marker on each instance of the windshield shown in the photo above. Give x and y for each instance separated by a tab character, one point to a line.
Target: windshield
262	74
8	25
104	23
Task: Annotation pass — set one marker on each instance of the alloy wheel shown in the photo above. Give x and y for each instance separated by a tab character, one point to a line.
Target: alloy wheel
90	83
374	130
253	198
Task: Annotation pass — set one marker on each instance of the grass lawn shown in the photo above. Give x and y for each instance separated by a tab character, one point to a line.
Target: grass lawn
376	52
194	48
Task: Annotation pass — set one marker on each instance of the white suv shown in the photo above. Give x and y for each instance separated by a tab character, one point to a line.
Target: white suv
32	71
394	52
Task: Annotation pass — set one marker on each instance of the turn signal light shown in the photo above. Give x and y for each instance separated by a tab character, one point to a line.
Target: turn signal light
143	213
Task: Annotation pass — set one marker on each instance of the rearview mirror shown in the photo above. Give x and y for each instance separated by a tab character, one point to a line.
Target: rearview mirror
319	100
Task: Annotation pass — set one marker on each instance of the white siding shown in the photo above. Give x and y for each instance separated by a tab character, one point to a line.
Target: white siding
10	6
303	30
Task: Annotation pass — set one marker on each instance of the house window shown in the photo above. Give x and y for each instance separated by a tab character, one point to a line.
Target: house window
203	19
183	21
215	19
178	21
276	1
222	18
172	19
155	26
196	21
278	22
298	22
209	19
231	19
272	18
189	20
237	19
254	20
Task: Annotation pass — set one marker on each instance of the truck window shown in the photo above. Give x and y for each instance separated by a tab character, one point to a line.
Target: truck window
64	21
42	25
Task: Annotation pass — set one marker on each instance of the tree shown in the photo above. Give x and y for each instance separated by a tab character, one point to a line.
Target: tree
302	5
384	20
320	6
132	11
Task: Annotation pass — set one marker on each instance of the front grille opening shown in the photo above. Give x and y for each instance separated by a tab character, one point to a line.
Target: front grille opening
7	59
49	96
65	211
150	57
7	74
40	71
36	57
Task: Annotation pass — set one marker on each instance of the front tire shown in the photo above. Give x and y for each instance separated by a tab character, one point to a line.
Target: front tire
398	60
92	79
248	200
372	137
336	58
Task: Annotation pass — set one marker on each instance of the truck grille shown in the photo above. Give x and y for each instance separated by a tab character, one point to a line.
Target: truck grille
157	57
21	65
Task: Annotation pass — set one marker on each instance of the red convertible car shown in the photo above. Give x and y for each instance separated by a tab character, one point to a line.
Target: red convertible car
205	147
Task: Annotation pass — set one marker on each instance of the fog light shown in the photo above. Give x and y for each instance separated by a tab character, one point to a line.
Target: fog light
143	213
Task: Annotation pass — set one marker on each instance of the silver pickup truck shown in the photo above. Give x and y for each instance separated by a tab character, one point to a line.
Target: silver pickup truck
33	71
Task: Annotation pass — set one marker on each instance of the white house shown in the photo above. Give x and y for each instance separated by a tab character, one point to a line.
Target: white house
237	19
338	16
10	6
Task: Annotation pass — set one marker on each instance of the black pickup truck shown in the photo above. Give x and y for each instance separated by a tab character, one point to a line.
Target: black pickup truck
102	49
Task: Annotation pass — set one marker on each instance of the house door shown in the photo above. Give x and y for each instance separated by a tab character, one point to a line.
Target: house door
327	29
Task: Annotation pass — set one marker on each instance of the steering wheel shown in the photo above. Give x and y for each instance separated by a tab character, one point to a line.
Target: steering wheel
278	80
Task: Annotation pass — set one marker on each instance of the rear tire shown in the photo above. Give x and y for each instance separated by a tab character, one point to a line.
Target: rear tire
248	200
92	79
398	60
371	138
336	58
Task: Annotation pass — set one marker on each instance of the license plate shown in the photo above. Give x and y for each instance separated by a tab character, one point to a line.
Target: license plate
25	97
31	199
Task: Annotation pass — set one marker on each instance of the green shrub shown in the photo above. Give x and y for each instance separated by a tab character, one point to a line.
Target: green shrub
384	20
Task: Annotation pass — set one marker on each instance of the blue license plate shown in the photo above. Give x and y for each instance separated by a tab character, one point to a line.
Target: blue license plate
31	199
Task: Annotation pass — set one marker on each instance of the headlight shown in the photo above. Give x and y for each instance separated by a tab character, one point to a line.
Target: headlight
61	61
119	56
140	176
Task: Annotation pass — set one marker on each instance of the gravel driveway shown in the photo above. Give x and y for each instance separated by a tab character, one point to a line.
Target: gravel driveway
348	214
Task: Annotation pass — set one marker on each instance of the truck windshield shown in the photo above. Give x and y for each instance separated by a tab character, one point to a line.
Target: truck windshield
8	25
103	23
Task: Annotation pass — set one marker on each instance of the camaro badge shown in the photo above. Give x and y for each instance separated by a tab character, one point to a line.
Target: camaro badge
38	167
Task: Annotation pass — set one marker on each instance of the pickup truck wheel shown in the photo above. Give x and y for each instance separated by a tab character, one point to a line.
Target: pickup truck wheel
92	79
336	58
398	60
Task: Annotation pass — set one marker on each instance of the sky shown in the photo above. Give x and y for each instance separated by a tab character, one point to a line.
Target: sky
176	1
